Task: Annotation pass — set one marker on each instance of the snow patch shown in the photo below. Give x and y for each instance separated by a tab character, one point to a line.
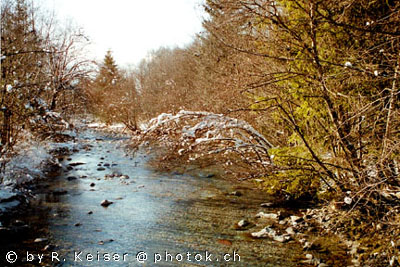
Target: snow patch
96	125
26	162
117	126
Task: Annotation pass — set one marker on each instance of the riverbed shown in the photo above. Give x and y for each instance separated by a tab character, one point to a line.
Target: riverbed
151	217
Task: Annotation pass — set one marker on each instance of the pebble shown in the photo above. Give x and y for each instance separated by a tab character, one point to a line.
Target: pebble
271	216
282	238
38	240
295	219
224	242
290	231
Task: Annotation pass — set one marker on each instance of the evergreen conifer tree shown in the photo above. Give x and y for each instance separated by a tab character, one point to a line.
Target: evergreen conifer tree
109	75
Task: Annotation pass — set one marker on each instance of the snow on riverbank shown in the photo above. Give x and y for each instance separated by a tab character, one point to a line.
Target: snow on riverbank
116	127
23	166
27	162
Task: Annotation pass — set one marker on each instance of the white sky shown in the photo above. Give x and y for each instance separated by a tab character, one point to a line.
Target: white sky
131	28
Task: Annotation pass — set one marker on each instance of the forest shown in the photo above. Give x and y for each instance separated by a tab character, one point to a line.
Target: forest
299	97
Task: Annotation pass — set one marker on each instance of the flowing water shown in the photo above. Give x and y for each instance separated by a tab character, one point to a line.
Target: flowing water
174	219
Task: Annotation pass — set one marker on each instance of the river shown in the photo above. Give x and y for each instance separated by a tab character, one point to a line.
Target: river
174	219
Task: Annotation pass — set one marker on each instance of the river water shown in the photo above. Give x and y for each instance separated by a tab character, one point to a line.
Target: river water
174	219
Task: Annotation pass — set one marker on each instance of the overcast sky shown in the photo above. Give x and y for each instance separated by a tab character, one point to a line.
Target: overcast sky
131	28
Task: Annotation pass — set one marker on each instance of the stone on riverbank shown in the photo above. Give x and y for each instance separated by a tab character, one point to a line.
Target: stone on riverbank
268	232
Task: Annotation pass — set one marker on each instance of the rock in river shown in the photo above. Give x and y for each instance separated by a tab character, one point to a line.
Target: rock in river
101	169
59	192
236	193
73	164
106	203
243	223
102	242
